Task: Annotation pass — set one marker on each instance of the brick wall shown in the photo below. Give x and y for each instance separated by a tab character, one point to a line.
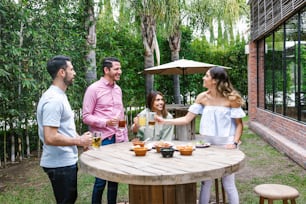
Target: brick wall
286	135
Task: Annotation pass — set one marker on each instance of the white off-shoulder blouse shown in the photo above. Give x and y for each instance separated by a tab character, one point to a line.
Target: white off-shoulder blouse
217	122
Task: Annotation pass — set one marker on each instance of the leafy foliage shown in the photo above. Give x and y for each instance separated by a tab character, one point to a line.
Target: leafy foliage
31	32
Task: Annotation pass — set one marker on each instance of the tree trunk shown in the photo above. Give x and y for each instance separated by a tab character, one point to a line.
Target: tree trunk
91	71
4	144
38	148
148	30
27	138
175	46
19	137
19	151
13	159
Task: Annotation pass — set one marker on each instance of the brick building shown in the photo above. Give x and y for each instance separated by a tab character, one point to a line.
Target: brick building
277	75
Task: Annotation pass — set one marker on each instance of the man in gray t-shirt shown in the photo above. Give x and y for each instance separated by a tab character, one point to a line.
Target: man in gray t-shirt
56	129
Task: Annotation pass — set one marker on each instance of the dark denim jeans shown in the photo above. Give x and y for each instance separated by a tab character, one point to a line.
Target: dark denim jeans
112	187
64	183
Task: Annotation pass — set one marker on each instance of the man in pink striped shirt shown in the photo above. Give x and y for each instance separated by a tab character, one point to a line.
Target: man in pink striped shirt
102	109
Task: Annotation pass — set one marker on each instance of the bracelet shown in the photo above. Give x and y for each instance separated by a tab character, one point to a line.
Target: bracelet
236	144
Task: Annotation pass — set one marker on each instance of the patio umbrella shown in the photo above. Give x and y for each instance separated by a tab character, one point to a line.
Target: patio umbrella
181	67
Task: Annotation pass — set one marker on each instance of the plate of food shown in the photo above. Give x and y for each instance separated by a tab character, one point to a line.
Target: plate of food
202	144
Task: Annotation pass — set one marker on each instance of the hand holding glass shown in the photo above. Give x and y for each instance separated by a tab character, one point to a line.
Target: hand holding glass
122	123
142	120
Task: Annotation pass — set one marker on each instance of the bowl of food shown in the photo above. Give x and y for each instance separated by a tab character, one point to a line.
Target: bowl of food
167	152
162	144
186	150
138	143
140	151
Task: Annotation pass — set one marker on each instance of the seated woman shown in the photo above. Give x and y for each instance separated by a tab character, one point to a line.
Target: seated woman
155	103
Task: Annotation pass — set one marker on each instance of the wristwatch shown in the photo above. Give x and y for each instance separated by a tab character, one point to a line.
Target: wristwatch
236	144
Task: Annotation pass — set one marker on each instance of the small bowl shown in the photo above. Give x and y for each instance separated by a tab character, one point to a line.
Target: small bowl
158	148
167	152
139	143
186	152
140	151
162	145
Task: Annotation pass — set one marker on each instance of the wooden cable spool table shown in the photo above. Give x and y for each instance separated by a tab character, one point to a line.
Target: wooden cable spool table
154	179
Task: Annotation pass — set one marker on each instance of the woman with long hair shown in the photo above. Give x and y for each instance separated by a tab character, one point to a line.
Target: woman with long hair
221	122
155	103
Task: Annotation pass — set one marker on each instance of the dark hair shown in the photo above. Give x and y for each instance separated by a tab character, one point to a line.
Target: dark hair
56	63
224	86
150	101
108	62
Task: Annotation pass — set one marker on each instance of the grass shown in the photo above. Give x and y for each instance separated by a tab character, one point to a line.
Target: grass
26	183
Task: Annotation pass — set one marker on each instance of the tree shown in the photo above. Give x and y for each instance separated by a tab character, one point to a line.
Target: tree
91	39
149	12
203	14
174	23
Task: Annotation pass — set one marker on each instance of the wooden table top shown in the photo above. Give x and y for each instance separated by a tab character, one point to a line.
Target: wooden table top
116	162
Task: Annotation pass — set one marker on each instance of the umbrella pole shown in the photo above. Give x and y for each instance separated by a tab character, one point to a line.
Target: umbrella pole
184	97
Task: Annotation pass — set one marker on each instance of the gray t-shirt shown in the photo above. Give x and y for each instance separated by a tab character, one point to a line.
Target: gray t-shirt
54	110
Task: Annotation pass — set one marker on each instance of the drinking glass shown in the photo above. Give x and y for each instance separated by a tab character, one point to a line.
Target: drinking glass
152	118
122	123
142	120
96	140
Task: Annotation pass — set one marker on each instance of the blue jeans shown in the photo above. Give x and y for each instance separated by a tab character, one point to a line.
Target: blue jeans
64	183
112	187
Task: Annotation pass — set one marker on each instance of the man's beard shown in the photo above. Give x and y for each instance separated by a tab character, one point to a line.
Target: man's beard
66	81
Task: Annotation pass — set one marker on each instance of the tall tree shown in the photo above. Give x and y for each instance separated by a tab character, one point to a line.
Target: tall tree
175	47
173	24
149	12
91	39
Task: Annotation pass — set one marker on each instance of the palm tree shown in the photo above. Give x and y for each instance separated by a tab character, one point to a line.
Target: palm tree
173	24
147	11
175	46
200	13
90	27
150	13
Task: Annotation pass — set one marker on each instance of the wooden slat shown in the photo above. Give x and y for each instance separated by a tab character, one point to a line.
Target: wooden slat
263	21
168	194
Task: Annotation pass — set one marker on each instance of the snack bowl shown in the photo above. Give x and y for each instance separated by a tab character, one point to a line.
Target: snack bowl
138	143
162	144
158	148
167	152
140	151
186	151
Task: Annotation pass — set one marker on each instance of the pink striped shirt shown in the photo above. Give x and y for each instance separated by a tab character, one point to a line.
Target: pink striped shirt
103	101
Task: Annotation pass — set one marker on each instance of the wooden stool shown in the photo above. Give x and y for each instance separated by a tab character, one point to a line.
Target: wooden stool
276	192
217	191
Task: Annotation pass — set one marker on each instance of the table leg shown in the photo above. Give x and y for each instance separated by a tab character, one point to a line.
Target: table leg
167	194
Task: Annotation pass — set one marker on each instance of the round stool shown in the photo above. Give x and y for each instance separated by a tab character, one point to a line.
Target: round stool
276	192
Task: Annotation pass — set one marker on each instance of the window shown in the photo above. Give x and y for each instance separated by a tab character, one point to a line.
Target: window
285	68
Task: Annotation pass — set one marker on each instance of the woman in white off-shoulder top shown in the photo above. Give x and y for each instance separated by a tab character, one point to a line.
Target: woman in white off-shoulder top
221	122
